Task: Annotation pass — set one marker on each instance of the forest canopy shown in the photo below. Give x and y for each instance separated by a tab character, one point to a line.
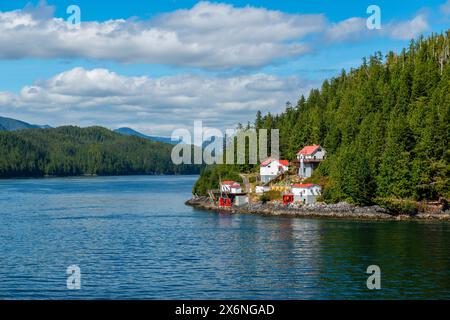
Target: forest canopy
71	151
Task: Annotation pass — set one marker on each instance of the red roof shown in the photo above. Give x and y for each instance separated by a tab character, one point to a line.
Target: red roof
304	185
237	185
308	150
228	182
265	163
284	162
269	161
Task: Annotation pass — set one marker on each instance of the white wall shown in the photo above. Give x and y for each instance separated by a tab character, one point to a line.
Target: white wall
306	195
228	188
236	190
305	170
261	189
271	169
311	191
316	155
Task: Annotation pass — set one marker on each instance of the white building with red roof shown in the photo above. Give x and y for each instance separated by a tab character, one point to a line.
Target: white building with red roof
271	168
309	158
230	186
306	193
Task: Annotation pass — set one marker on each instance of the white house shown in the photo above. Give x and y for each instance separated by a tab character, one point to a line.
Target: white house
309	158
271	168
306	193
230	186
261	189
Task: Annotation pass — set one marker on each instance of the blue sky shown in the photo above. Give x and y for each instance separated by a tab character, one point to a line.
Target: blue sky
158	65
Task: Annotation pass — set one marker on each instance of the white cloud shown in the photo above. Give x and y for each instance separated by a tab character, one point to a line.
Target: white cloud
355	29
409	29
350	29
209	35
153	105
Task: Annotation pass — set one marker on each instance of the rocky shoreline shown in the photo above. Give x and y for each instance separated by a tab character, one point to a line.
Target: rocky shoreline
319	210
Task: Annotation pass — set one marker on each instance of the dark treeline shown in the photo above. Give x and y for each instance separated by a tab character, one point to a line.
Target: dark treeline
71	151
385	126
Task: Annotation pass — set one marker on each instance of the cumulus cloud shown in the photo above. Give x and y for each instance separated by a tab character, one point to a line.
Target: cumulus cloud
349	29
409	29
209	35
100	96
355	29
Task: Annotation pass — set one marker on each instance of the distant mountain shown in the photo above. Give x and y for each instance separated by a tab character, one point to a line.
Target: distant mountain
131	132
8	124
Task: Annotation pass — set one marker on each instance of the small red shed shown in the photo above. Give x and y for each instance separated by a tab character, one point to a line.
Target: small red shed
224	202
288	198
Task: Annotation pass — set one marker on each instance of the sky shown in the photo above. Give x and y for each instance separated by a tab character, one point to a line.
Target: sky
160	65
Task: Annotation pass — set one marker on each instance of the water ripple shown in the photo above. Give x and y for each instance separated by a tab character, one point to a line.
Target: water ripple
133	238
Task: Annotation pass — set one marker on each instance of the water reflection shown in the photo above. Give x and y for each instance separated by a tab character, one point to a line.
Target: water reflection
135	239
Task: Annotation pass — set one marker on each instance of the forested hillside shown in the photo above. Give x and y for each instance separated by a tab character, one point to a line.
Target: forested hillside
385	126
68	151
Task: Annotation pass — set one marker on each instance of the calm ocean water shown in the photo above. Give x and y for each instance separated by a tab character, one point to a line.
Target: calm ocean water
133	238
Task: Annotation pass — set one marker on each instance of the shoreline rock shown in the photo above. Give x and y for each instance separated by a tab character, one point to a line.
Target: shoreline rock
340	210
